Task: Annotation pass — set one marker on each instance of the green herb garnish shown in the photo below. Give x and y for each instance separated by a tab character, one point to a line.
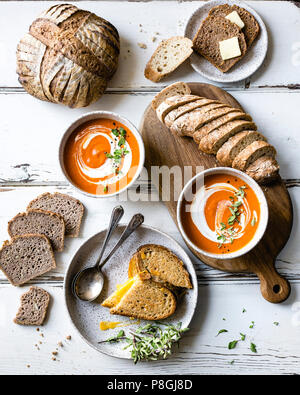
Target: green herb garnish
151	342
105	189
276	323
221	331
232	344
253	222
251	325
253	347
243	337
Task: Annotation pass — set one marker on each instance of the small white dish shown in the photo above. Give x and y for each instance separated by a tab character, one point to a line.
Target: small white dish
242	69
98	115
264	211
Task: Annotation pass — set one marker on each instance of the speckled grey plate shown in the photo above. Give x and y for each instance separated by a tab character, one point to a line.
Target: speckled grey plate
87	316
242	69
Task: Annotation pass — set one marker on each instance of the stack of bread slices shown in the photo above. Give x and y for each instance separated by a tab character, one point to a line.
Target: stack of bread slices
36	234
219	129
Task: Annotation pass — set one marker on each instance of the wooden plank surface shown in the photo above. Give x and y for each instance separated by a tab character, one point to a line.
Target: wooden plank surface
271	96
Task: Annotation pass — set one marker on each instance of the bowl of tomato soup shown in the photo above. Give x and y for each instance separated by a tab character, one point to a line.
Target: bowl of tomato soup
101	154
222	213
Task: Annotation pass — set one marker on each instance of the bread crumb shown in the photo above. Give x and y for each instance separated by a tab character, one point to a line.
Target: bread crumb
54	352
28	366
60	344
142	45
37	329
42	335
68	337
153	39
53	359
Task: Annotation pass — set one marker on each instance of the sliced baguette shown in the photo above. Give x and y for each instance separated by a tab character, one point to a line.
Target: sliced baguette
171	103
190	122
233	146
206	41
162	263
169	55
41	222
264	170
216	123
68	207
34	306
251	28
26	257
251	153
184	109
178	88
211	143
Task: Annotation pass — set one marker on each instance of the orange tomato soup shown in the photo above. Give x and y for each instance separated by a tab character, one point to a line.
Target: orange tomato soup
222	215
101	156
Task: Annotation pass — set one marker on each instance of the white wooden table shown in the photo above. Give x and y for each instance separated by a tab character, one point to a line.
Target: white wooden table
30	131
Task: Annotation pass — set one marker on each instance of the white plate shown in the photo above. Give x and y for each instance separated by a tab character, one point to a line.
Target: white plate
242	69
87	316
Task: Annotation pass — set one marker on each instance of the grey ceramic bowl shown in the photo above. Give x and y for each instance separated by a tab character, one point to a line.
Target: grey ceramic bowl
92	116
86	317
247	65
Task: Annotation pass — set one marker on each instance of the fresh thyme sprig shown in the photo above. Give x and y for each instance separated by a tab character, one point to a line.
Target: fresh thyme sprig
151	342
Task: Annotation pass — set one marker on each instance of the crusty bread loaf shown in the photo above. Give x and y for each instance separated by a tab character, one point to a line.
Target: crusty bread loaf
34	306
146	300
251	28
211	143
169	55
264	170
187	124
251	153
26	257
171	103
68	207
176	89
233	146
184	109
206	41
46	223
68	56
162	263
216	123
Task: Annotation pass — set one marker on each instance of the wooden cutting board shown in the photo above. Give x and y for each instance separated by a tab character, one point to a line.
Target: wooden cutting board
163	148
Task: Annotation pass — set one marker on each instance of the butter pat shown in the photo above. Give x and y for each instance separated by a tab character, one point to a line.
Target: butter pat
230	48
235	18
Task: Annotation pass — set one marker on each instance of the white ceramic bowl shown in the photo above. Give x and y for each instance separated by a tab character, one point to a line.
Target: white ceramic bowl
90	117
264	211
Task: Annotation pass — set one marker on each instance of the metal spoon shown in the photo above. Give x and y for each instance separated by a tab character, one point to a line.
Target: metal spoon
88	284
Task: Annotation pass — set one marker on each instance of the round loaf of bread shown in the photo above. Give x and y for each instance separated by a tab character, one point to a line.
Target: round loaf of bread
68	56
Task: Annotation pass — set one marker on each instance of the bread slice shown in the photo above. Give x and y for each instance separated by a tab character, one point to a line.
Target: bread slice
161	263
251	28
146	300
215	139
68	207
184	109
190	122
26	257
251	153
216	123
173	102
178	88
236	144
39	222
264	170
34	306
206	41
169	55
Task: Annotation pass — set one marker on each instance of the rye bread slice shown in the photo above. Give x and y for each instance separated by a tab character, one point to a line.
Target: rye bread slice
184	109
216	123
178	88
236	144
214	140
190	122
169	55
161	263
146	300
206	41
41	222
251	28
251	153
171	103
26	257
34	306
68	207
264	170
